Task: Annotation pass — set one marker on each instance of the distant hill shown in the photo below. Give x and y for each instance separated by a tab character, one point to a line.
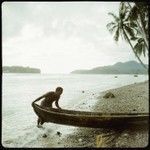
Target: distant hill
130	67
20	69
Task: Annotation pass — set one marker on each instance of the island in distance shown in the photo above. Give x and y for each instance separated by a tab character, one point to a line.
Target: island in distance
129	67
20	69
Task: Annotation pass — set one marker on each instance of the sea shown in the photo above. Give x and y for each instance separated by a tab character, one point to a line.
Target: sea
20	90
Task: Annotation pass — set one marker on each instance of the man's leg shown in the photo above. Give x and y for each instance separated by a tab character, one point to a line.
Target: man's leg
38	121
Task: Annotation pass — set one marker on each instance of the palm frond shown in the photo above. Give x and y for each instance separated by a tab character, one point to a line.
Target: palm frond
133	24
144	51
140	47
114	16
140	40
116	36
109	25
111	30
123	11
124	36
133	38
133	15
129	31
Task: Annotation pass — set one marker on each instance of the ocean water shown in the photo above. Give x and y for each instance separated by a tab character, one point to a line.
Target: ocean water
19	90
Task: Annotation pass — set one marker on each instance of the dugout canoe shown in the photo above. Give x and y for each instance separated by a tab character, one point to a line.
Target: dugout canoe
88	119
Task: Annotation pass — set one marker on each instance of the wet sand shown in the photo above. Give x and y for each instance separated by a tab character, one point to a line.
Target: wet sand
128	99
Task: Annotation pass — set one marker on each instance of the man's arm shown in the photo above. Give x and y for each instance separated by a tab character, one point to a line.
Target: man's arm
57	105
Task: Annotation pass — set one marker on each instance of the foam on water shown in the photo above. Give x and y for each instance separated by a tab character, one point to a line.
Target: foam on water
19	90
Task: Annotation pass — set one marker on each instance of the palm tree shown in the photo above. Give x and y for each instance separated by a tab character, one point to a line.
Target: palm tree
142	9
122	27
139	15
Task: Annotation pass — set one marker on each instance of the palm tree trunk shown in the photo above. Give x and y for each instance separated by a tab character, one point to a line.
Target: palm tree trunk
134	50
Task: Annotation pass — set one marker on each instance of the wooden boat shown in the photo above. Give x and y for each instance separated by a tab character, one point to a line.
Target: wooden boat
88	119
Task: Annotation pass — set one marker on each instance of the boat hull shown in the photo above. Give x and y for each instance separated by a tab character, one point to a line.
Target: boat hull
88	119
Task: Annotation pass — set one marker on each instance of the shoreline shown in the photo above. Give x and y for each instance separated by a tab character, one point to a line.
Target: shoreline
128	99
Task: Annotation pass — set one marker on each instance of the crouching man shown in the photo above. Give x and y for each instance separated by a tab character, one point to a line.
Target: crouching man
49	98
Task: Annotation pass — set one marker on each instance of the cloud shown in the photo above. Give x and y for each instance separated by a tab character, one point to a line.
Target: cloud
60	37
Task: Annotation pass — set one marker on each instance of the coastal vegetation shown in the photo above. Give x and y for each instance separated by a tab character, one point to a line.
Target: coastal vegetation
20	69
132	25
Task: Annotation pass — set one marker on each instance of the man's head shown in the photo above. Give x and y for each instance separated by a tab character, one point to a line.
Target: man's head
59	90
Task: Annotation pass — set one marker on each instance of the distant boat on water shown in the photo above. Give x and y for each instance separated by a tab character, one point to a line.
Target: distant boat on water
135	75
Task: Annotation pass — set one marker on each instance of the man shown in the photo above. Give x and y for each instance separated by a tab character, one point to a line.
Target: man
48	100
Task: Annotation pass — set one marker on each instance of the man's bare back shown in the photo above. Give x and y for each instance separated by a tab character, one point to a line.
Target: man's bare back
50	97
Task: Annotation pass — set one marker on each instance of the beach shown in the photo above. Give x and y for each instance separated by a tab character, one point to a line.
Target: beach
128	99
84	94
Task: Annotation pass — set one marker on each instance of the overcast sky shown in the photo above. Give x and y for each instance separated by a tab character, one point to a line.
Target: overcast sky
59	37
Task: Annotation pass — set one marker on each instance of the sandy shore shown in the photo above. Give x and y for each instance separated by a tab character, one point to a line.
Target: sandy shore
128	99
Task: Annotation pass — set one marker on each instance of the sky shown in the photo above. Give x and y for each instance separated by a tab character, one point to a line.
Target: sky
59	37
